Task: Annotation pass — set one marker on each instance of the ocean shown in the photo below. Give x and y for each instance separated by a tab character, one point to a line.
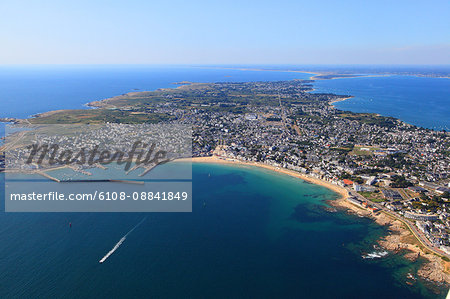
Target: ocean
28	90
252	233
424	102
256	234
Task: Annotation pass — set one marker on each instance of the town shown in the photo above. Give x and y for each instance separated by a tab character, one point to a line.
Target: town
384	164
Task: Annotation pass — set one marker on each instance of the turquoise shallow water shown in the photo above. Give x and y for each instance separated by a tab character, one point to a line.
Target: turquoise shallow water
259	235
252	233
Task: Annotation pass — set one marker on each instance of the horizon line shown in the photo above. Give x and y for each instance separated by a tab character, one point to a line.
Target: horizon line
219	64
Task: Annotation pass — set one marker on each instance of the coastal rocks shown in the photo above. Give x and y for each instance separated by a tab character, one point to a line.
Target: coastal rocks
411	256
330	209
8	120
434	270
401	239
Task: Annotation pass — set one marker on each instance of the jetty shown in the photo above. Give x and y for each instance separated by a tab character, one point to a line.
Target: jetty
102	181
44	174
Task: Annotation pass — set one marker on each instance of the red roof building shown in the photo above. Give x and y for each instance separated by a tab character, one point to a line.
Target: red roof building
348	182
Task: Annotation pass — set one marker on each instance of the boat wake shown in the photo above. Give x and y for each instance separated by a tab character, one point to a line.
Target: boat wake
120	242
375	255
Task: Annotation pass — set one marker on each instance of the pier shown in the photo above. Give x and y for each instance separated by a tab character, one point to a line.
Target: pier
44	174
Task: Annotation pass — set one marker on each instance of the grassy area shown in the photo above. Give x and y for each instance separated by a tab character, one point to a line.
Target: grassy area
95	116
359	152
373	196
341	149
411	239
369	118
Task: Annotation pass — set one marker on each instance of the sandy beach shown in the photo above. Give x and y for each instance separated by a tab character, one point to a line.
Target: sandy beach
399	241
215	159
340	100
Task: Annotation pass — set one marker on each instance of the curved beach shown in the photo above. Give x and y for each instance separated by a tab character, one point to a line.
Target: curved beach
215	159
399	238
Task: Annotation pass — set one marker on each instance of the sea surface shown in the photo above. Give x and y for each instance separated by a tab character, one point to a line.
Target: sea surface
253	233
421	101
28	90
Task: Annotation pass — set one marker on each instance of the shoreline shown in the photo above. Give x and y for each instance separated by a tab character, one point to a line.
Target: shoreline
105	103
340	100
399	238
434	270
350	76
316	73
214	159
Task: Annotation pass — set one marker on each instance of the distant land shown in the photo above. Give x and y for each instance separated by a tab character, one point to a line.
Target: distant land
340	71
388	169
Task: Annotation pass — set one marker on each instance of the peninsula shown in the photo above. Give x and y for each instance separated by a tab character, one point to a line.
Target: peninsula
394	172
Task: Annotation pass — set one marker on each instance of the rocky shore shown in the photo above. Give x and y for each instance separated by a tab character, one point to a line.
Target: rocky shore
401	240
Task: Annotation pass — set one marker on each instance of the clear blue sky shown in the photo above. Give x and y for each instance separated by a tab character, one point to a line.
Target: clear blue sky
225	32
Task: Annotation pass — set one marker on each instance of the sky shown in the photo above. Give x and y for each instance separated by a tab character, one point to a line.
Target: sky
225	32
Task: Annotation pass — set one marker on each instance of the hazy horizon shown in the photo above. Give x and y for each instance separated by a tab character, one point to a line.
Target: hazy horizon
230	64
215	33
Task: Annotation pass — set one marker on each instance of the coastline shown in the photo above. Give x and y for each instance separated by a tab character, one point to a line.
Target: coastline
318	74
335	76
400	239
434	270
215	159
339	100
315	75
106	103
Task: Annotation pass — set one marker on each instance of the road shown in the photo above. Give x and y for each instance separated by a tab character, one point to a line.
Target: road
417	234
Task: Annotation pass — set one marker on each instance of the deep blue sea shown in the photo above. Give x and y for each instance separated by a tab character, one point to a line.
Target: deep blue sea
424	102
25	91
252	234
28	90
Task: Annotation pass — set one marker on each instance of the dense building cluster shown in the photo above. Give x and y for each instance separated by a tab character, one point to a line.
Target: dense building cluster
387	164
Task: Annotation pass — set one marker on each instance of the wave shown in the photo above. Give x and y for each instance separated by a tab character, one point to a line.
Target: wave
375	254
120	242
